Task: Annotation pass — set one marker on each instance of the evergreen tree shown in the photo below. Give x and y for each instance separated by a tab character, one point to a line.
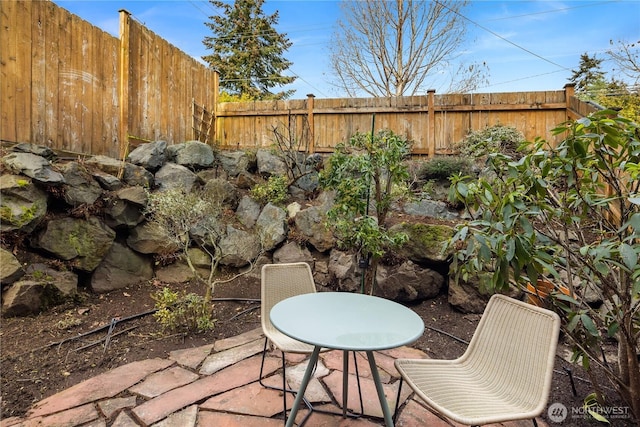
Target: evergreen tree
247	51
589	74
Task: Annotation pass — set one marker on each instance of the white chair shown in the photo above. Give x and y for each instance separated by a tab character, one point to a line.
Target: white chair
281	281
504	374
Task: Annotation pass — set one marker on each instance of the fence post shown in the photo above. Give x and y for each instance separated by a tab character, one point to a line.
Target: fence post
216	97
431	139
310	98
123	82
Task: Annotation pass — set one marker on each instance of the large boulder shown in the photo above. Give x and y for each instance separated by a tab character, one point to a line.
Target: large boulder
33	166
83	242
429	208
248	211
131	174
22	204
80	187
272	226
62	284
238	248
425	242
222	192
149	238
106	180
311	224
126	208
472	296
120	268
175	176
344	271
191	154
293	252
408	282
10	268
150	156
22	298
270	163
233	162
38	150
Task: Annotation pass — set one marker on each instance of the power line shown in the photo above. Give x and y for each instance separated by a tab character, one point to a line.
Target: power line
502	38
549	11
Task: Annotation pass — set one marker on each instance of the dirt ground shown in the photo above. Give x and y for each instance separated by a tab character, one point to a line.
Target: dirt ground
44	354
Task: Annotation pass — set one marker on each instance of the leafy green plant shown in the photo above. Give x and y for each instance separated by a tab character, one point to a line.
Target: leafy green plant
179	310
570	212
363	173
442	167
493	139
274	190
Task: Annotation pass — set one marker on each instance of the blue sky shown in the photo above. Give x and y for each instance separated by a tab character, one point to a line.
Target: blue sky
527	45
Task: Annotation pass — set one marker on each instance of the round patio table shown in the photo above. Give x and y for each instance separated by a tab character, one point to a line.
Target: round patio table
348	322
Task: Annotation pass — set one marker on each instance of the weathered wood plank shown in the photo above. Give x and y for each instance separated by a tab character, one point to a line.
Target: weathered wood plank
23	62
38	73
8	71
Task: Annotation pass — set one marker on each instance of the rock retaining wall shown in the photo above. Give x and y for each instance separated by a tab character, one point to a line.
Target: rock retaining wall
69	223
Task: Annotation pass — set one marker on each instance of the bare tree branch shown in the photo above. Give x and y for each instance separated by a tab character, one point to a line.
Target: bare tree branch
396	47
627	57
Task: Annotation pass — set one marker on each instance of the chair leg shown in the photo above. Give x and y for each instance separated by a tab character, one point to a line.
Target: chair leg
284	388
355	361
395	411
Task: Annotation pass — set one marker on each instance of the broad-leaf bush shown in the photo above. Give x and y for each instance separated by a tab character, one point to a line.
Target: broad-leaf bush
570	213
366	174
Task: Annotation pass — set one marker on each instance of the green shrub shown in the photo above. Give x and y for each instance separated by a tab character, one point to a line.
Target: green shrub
179	310
494	139
274	190
443	167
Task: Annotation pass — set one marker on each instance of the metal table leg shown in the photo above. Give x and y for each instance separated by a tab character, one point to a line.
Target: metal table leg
303	386
376	379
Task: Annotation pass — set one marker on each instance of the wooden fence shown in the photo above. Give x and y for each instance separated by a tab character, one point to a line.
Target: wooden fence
68	85
433	122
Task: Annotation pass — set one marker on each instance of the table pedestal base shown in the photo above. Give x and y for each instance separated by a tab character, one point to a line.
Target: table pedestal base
313	360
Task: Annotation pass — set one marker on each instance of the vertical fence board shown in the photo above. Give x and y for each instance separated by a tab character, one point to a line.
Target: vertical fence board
64	85
38	73
9	69
23	61
52	94
69	85
86	73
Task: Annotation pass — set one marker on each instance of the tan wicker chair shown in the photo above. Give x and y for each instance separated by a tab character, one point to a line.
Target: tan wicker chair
281	281
504	374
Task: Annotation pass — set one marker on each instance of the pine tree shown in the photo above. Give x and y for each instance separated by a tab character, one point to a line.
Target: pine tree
247	51
588	74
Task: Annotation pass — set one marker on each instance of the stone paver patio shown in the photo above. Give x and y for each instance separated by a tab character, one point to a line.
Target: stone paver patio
217	385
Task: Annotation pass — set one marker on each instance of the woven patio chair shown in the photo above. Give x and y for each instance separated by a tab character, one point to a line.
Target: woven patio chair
504	374
281	281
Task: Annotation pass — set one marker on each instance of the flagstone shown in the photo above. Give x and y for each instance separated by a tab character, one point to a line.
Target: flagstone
221	360
105	385
163	381
191	357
